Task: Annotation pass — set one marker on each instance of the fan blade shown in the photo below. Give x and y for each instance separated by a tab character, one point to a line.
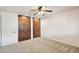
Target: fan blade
47	10
35	13
40	7
34	10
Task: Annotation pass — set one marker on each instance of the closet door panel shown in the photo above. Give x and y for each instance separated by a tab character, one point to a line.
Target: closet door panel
24	28
36	28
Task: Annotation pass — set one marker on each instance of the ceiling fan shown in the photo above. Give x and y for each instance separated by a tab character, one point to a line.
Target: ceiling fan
41	10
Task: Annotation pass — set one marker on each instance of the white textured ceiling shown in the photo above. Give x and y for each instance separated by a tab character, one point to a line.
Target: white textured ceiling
27	9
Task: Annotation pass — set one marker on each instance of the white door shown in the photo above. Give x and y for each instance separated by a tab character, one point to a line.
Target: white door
0	30
9	28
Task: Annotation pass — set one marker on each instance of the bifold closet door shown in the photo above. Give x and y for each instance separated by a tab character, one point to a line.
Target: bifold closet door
36	27
24	23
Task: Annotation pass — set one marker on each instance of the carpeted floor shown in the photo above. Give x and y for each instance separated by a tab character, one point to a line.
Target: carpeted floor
39	45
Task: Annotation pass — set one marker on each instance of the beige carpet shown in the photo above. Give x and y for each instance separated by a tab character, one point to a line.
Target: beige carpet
39	45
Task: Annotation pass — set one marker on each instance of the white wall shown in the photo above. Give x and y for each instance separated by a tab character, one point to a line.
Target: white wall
9	28
63	27
0	30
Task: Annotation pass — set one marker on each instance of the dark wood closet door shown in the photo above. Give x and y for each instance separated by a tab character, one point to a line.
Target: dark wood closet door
36	28
24	23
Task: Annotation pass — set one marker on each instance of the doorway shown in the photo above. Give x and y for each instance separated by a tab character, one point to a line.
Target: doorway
24	28
36	27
